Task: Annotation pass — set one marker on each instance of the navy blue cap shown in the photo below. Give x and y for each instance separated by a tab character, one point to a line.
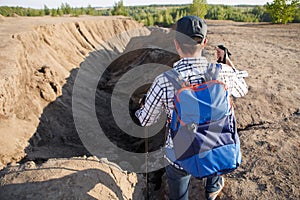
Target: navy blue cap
192	26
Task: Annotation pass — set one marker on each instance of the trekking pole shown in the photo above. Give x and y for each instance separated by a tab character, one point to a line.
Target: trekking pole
146	160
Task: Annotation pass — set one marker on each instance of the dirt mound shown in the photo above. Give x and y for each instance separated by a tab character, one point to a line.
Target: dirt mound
15	15
2	18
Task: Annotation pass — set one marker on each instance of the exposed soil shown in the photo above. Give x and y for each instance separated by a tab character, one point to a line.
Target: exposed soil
43	154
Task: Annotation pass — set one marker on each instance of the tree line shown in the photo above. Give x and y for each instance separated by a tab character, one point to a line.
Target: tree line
64	9
166	15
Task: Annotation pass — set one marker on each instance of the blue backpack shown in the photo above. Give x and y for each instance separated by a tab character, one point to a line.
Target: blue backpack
203	126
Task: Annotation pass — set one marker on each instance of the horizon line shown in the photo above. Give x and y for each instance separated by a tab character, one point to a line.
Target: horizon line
251	5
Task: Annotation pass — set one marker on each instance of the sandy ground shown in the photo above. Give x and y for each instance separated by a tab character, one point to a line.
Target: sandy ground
39	60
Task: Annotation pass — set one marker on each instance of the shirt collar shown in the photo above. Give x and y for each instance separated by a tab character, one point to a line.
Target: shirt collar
193	60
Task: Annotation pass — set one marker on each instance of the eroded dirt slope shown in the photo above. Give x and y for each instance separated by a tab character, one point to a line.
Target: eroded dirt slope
37	56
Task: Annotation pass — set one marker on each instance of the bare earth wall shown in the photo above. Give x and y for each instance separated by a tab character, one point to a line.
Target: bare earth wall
36	58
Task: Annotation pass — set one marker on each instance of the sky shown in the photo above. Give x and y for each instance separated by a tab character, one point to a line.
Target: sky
110	3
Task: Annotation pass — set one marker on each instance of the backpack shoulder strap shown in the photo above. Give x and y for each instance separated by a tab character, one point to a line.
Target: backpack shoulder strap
212	72
175	78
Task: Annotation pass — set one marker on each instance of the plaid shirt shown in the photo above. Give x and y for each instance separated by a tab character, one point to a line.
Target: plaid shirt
161	94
